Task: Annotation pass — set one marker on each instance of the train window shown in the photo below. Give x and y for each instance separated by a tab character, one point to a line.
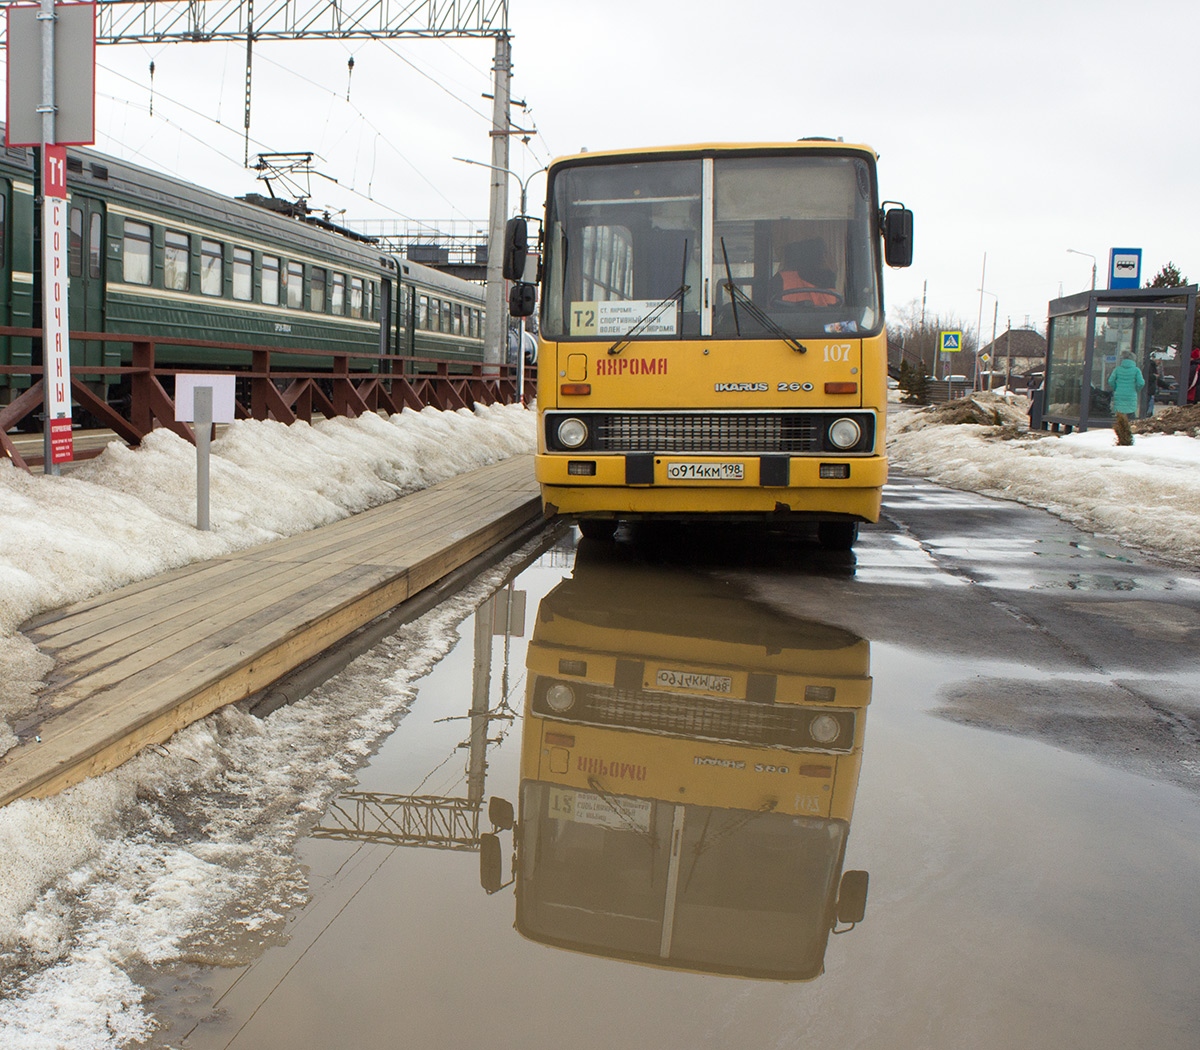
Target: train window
369	307
95	244
456	324
295	285
136	250
356	297
317	295
444	318
177	261
75	244
243	274
212	268
423	312
270	280
337	304
3	229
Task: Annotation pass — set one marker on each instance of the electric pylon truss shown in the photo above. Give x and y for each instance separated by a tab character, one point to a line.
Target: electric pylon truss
195	21
202	21
402	820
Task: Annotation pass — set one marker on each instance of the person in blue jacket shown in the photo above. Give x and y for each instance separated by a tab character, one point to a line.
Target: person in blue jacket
1126	382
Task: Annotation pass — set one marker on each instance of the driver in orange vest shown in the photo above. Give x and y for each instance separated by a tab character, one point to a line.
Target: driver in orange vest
803	274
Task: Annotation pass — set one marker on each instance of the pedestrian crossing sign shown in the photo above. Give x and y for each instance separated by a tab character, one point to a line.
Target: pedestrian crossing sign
951	342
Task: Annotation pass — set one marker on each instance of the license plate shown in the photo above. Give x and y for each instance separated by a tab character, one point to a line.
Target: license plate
705	471
694	681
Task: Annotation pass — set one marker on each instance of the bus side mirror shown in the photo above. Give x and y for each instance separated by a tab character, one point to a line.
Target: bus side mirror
522	300
491	877
898	236
852	897
500	813
516	249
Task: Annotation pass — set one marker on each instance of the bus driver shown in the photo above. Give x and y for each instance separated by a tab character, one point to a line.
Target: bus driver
803	277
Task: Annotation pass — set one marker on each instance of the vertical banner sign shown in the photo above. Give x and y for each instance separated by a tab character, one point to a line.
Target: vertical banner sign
55	329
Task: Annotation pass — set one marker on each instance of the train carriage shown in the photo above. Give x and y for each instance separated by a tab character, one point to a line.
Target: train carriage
153	255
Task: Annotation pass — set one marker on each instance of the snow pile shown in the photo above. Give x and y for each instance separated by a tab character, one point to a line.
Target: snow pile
131	513
1146	494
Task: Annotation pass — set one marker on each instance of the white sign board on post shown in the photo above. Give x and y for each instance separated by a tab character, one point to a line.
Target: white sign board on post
51	103
204	400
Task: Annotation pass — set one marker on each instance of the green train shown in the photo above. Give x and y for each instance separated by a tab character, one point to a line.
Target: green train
156	256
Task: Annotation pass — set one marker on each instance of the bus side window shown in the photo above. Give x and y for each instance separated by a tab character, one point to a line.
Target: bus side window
135	252
75	244
243	274
607	263
270	280
317	295
295	286
212	268
95	242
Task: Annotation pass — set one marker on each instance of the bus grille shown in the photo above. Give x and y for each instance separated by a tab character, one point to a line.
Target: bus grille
708	432
765	725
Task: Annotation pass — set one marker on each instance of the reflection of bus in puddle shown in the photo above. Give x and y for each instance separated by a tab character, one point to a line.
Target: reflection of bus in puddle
688	772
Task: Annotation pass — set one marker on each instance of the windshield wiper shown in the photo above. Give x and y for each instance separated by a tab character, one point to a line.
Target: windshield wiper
736	295
653	315
656	312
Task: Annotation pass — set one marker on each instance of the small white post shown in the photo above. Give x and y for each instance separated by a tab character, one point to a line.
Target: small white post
203	415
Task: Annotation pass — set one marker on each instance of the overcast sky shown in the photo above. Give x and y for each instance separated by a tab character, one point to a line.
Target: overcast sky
1018	130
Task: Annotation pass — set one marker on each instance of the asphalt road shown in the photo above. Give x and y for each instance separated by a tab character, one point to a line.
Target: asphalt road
1028	810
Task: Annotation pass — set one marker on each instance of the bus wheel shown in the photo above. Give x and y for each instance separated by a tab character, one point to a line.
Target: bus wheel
598	528
837	535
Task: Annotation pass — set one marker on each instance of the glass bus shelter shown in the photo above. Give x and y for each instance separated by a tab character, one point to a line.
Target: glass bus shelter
1087	336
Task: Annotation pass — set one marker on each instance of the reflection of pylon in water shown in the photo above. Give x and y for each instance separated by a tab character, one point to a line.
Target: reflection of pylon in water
437	821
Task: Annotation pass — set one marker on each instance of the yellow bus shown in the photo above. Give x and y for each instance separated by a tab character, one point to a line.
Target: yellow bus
712	336
689	765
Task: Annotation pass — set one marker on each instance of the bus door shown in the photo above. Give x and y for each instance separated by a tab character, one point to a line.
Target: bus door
85	264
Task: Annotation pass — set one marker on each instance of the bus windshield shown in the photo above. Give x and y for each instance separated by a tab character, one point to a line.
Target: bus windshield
742	246
749	892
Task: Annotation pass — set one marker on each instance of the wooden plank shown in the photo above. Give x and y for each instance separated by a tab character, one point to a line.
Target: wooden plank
130	615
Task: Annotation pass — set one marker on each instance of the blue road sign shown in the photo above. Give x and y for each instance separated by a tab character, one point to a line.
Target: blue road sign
1124	268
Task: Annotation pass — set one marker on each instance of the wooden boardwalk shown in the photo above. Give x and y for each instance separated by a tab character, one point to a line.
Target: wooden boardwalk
135	665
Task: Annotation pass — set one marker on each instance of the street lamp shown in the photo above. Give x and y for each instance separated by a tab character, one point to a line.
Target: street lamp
1073	251
979	335
524	184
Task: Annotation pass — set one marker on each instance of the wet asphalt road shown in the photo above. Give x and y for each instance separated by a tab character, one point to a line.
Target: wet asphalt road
1028	810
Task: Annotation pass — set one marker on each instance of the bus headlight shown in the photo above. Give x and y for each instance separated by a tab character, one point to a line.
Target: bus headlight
560	697
844	433
824	729
572	432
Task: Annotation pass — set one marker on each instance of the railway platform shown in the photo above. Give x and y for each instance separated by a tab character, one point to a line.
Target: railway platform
135	665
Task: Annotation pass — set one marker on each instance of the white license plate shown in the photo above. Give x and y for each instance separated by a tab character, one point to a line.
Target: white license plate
694	681
705	471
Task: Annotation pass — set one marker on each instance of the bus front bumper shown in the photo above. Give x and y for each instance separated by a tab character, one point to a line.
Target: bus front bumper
634	485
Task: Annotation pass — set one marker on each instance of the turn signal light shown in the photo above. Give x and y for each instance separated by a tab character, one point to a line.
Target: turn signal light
841	388
575	388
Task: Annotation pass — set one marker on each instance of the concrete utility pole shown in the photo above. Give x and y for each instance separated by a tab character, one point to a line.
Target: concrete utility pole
495	325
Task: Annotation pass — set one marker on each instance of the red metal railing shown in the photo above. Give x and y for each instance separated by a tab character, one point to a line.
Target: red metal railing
356	383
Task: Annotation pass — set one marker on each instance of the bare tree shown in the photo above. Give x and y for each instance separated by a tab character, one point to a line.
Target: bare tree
918	336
